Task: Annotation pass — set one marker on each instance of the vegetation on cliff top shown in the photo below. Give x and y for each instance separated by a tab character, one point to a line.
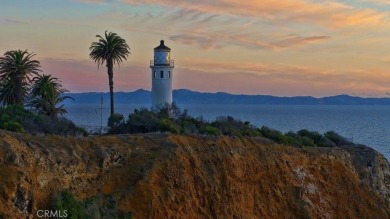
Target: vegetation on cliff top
17	119
173	120
31	105
102	206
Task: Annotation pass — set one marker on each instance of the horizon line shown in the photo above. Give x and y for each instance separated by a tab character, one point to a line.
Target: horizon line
235	94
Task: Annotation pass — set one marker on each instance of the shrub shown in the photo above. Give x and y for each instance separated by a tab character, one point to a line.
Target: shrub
101	206
142	121
232	127
307	141
115	120
57	126
12	117
252	132
190	125
66	201
210	130
272	134
18	119
336	138
326	142
13	127
167	125
172	119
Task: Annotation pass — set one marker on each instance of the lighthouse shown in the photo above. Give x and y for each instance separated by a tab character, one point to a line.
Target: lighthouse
162	73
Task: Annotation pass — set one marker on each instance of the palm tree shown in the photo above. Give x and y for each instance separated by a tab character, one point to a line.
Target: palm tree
16	67
46	94
111	49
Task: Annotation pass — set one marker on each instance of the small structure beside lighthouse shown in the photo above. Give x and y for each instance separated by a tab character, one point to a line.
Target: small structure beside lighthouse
162	72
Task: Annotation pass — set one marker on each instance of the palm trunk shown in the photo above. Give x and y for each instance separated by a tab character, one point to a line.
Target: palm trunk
19	90
110	72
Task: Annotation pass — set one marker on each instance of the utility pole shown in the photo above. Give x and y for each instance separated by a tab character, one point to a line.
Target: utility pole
101	113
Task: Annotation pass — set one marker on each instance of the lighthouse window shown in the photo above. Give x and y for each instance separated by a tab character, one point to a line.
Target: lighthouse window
154	74
161	74
169	74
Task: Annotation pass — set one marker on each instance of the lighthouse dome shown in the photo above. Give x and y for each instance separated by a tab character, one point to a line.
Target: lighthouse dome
162	54
162	46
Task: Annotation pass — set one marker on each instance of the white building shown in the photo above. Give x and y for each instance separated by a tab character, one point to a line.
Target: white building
162	72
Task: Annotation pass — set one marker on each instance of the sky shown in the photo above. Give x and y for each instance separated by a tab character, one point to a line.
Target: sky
271	47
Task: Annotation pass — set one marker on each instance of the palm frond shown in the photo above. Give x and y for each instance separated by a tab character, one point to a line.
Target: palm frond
16	69
111	46
46	94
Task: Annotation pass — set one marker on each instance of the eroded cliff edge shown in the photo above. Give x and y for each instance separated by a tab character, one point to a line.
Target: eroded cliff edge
163	176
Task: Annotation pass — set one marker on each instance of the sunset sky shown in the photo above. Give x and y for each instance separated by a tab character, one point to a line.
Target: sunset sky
277	47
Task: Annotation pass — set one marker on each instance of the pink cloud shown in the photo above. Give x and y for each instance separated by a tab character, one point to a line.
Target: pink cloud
84	76
327	13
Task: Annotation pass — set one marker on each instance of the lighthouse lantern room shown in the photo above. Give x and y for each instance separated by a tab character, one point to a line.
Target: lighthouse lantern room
162	72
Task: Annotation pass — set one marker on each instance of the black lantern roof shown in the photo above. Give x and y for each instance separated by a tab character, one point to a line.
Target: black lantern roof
162	46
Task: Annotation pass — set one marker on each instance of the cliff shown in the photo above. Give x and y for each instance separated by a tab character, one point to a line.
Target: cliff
171	176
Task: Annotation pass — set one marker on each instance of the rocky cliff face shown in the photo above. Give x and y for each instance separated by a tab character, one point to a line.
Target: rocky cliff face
170	176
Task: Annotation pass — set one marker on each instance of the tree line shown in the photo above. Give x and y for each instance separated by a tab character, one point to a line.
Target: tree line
21	84
171	119
32	102
23	87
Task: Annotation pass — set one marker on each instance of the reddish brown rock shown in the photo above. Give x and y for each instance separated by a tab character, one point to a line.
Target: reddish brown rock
171	176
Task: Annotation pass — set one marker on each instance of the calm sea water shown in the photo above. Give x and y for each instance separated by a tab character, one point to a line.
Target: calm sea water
368	125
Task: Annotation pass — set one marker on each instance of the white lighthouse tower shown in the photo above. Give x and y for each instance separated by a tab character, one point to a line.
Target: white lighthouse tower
162	72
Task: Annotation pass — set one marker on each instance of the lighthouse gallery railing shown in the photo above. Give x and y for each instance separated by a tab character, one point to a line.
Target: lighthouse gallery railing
171	63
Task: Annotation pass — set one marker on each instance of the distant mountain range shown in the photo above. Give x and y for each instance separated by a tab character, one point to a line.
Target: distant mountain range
183	96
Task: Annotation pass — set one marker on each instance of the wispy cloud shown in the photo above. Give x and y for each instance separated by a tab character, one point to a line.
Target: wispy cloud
215	40
251	24
326	13
298	40
379	2
207	30
15	21
97	1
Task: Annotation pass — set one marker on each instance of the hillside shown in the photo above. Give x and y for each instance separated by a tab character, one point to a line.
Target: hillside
183	96
166	176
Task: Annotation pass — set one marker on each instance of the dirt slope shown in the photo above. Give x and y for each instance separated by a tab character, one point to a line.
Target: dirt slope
171	176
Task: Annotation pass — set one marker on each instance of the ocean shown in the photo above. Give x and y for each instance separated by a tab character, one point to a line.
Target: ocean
364	124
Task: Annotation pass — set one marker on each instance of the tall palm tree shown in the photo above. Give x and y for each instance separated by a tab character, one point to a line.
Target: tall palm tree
46	94
16	68
111	49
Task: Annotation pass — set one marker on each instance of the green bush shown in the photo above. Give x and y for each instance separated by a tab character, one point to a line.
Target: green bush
101	206
272	134
18	119
66	201
115	120
13	127
12	118
167	125
232	127
210	130
337	139
172	119
190	125
326	142
143	121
